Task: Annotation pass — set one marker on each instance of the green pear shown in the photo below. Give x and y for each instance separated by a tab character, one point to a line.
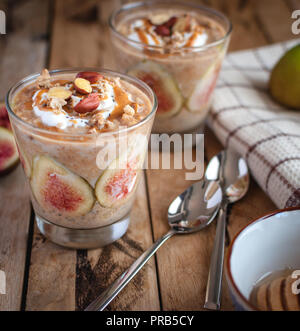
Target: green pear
285	79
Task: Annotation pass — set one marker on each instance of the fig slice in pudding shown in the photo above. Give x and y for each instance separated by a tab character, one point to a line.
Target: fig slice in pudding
9	156
167	92
118	182
57	188
201	95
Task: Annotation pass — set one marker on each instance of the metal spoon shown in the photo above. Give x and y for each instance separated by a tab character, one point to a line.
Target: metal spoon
231	170
191	211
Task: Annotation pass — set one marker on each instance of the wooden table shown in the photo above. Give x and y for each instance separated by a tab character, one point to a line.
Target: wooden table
43	276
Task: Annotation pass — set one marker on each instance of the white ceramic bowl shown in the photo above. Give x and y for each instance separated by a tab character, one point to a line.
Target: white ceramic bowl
270	243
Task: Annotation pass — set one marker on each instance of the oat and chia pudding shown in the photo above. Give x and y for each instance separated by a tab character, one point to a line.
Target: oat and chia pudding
82	138
177	49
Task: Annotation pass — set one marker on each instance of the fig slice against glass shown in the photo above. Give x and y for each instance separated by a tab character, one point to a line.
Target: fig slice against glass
118	182
162	83
9	156
56	187
202	93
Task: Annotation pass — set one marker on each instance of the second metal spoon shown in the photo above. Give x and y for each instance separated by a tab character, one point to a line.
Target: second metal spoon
231	170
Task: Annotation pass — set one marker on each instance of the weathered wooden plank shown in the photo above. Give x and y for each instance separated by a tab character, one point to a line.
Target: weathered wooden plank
79	277
27	40
247	32
51	284
14	222
293	4
25	44
97	269
190	255
183	261
275	20
74	43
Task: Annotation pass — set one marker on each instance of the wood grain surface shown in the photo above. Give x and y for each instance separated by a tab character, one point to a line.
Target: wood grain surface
43	276
22	52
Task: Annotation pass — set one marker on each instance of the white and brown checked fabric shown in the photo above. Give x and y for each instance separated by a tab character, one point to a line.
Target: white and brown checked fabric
244	117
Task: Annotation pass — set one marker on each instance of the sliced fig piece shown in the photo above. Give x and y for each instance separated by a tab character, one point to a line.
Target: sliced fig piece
200	98
4	119
118	182
167	92
9	156
57	188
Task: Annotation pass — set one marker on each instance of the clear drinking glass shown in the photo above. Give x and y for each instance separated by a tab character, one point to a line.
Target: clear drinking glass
189	74
86	163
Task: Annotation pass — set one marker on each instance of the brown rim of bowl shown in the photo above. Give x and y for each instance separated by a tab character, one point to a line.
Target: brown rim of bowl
133	5
227	264
30	78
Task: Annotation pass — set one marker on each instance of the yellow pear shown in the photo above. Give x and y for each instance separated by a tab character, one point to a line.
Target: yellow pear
285	79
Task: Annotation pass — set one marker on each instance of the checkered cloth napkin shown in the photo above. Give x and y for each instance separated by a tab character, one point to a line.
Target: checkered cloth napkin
245	118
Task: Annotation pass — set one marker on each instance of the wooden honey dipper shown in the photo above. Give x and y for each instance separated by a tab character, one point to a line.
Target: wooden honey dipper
276	294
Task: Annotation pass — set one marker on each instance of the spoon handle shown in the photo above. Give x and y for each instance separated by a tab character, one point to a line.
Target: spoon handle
117	286
214	282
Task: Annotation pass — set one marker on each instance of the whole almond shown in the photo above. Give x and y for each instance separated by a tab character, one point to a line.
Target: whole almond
162	31
88	104
91	76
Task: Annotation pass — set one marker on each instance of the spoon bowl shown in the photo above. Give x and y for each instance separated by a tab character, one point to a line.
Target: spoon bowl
195	208
231	170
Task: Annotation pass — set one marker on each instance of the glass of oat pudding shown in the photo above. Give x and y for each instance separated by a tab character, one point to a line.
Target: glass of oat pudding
82	137
177	48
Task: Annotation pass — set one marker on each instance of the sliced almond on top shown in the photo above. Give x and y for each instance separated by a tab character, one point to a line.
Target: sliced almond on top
159	18
83	86
182	24
59	92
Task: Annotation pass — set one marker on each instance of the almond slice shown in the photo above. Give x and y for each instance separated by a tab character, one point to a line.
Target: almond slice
182	24
59	92
82	86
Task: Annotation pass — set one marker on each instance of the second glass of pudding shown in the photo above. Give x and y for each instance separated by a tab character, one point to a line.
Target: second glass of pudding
82	137
177	48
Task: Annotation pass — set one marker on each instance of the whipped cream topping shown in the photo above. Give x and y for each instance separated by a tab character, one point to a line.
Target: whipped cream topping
108	100
140	31
59	118
62	119
183	31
